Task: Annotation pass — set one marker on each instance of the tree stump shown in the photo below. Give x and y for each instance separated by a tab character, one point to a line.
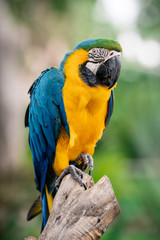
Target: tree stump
81	214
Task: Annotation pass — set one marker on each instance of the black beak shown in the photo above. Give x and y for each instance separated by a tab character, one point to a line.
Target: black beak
108	72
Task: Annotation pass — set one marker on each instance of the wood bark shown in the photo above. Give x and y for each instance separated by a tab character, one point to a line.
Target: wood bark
81	214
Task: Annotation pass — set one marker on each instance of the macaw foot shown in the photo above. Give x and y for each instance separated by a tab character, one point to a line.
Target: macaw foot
76	173
84	160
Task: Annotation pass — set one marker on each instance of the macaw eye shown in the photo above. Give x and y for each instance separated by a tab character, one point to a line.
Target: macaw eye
94	51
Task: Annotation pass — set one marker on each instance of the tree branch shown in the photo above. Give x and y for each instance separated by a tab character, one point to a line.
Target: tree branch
79	214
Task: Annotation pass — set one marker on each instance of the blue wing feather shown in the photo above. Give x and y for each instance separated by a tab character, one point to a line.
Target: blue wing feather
45	115
110	108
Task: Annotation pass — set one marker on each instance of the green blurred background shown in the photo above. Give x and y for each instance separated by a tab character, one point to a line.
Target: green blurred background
35	35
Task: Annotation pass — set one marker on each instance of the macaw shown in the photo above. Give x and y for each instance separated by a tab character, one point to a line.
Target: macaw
69	109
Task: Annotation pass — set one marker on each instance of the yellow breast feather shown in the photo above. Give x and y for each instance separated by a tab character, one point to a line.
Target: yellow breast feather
85	106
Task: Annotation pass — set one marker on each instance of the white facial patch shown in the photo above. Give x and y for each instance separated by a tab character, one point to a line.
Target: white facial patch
97	56
93	66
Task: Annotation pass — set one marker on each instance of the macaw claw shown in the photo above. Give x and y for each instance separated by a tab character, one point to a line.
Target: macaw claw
76	173
84	160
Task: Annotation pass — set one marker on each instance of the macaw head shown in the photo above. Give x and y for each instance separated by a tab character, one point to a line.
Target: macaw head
95	61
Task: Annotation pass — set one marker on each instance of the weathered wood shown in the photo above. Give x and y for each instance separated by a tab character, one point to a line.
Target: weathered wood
79	214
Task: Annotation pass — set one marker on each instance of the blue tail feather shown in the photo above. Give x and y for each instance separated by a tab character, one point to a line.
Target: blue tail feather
45	211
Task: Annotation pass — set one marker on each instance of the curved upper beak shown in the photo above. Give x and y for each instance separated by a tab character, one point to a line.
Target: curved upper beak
108	72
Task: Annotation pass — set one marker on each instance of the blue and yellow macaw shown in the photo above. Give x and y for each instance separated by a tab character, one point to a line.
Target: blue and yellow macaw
69	109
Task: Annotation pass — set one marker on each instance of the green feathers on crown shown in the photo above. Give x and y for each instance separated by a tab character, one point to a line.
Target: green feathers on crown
99	43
